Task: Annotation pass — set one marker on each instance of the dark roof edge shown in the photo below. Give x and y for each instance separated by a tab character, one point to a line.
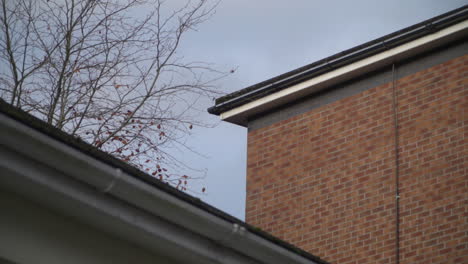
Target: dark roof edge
340	59
78	144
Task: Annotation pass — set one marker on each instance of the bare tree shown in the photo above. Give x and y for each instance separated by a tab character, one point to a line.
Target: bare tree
107	71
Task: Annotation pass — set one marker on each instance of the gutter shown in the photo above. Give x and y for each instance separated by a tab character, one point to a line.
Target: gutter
242	101
87	188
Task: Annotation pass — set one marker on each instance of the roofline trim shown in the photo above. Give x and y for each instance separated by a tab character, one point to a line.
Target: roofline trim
238	115
21	140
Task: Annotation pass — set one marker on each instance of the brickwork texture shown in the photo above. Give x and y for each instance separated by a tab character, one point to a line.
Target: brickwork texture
325	180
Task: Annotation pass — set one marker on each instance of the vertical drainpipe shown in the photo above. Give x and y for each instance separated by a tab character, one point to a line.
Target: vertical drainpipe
397	166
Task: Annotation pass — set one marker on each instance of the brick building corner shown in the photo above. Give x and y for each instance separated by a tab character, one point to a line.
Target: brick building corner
362	157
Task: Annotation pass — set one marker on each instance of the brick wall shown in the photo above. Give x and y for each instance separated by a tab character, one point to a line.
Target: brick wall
325	180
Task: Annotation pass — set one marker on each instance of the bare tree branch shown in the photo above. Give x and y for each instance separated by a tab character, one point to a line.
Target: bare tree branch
109	72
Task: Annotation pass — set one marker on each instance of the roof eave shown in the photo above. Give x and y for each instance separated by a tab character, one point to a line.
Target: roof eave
294	89
60	176
303	74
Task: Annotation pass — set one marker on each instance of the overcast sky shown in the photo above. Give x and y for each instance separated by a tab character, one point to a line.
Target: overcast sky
264	38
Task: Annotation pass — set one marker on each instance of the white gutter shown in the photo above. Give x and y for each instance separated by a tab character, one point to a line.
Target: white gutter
60	176
239	114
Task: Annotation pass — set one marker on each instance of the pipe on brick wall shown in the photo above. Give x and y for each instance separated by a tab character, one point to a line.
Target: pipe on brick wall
397	164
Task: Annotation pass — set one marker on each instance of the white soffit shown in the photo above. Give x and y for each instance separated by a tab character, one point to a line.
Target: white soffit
346	72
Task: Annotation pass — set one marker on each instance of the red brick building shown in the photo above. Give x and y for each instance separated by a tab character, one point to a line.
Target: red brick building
362	157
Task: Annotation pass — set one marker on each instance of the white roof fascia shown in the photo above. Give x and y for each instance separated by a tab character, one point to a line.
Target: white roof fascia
343	73
59	175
